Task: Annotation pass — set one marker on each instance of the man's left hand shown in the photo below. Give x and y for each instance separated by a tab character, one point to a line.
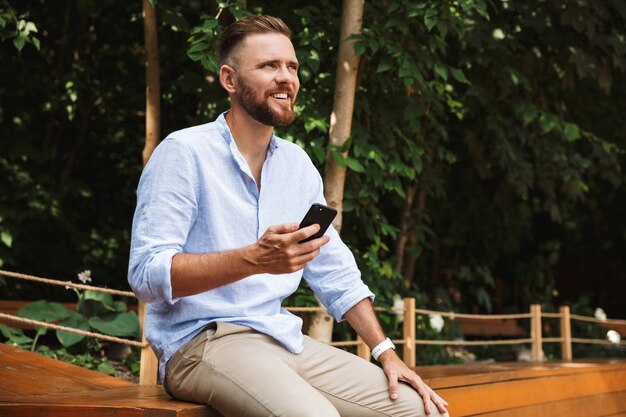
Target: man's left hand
396	370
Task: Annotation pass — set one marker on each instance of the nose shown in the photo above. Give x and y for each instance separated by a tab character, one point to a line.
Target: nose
286	75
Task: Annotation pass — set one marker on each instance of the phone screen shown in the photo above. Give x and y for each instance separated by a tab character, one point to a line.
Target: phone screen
318	214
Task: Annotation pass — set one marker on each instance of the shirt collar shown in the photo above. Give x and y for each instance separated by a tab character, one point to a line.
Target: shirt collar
228	137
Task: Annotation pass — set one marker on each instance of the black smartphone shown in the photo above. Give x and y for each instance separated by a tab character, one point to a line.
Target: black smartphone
318	214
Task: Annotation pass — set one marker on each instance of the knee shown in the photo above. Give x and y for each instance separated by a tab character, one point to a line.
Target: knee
411	404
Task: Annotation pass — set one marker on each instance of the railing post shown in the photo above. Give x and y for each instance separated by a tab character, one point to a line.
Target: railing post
408	332
566	334
149	366
362	350
536	353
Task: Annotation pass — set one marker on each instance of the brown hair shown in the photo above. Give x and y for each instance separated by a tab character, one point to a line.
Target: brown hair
235	33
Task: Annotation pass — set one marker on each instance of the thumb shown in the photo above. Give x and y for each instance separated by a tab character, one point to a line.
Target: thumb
393	385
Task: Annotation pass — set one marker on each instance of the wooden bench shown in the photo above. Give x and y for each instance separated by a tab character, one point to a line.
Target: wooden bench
32	385
555	389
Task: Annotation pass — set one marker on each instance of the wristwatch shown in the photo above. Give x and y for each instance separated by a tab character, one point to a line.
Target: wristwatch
381	347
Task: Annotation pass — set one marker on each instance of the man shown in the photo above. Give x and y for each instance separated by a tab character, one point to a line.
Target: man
215	251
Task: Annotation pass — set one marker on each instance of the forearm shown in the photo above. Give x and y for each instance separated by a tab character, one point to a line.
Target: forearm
363	320
276	252
196	273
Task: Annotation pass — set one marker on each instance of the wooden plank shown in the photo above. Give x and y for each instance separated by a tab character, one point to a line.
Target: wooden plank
494	327
472	390
9	354
23	410
483	398
449	376
612	405
38	377
33	385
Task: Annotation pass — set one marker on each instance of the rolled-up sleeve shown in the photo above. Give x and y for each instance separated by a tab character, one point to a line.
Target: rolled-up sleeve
166	210
333	275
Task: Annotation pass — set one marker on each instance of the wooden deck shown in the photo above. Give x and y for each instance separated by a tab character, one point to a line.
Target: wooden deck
32	385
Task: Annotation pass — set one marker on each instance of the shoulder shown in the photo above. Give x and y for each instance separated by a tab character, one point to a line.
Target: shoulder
293	151
195	135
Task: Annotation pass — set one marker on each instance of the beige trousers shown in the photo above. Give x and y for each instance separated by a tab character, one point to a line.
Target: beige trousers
242	373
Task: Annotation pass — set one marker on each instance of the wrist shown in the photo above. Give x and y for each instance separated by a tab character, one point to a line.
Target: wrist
248	255
384	346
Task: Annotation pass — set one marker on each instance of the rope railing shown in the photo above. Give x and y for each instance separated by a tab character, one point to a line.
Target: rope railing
598	321
452	315
148	366
53	326
472	342
597	341
408	342
69	284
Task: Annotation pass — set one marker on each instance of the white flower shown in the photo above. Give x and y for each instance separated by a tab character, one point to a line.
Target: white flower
600	314
498	34
436	322
85	276
613	337
398	307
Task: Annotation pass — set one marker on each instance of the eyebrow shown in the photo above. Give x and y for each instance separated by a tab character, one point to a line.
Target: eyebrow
274	61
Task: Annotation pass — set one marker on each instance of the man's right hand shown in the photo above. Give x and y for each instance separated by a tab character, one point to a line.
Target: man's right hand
278	250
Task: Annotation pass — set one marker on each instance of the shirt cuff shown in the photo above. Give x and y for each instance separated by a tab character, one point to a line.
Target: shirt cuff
160	277
340	307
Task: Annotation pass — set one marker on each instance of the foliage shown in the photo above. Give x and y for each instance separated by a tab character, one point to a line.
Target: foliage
91	356
14	26
95	312
485	167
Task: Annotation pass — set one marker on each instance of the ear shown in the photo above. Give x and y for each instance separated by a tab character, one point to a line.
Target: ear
228	79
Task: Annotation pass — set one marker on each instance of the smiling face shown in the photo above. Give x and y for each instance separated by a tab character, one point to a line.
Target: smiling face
266	78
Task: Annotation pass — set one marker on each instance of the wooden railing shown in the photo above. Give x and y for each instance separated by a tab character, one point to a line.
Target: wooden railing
535	339
149	365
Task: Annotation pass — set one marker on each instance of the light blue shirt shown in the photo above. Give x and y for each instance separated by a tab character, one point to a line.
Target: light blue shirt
197	195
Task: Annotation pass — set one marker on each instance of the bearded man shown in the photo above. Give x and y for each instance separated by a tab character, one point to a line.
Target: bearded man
215	251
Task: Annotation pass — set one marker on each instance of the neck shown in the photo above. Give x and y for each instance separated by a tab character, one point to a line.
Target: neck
252	138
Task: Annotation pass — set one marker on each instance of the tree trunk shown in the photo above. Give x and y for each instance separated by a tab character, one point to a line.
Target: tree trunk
340	127
153	89
343	106
405	221
153	132
409	264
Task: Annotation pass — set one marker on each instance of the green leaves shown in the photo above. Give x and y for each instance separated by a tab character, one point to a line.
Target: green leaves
571	132
203	39
76	321
44	311
6	238
123	324
96	311
13	25
202	43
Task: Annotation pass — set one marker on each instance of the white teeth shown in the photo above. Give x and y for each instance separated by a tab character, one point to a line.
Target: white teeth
279	95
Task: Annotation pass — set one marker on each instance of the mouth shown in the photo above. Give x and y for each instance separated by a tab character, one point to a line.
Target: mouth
282	95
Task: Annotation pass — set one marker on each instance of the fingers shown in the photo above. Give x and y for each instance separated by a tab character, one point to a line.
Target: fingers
278	250
429	396
425	397
305	232
283	228
439	402
393	384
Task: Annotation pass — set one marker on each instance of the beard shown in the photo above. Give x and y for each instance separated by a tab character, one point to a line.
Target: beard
260	110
